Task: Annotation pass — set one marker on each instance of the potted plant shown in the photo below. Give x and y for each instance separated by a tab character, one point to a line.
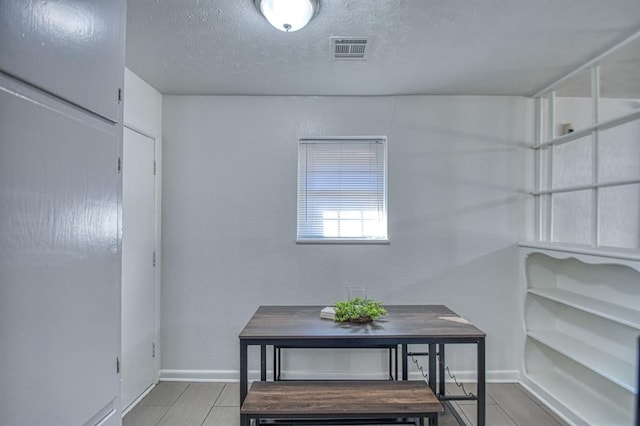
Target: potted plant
358	310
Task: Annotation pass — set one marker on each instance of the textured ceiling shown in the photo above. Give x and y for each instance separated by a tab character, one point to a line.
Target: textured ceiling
470	47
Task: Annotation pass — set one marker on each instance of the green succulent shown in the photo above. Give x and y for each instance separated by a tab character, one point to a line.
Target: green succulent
358	310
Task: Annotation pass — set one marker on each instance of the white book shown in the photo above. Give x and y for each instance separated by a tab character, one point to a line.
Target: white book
328	313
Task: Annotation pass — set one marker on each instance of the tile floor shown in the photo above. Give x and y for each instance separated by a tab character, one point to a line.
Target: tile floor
216	404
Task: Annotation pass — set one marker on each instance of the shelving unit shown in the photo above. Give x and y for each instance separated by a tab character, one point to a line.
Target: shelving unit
580	279
581	324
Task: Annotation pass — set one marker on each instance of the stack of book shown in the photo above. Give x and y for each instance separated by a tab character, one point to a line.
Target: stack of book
328	313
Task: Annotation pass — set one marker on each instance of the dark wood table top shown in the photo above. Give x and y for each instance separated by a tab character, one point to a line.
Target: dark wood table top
402	322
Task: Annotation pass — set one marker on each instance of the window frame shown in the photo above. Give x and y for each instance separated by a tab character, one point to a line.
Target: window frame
345	240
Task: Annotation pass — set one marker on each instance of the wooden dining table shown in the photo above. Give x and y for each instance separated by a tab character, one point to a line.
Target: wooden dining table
429	326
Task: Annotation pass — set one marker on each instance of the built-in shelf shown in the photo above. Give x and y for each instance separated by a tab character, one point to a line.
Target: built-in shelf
582	321
594	411
597	360
623	315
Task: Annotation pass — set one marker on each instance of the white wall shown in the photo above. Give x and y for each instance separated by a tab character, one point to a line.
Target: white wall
457	181
143	113
142	105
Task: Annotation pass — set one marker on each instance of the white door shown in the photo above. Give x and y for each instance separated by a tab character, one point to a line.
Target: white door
138	269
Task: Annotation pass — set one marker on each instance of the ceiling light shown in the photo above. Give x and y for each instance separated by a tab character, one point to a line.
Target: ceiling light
288	15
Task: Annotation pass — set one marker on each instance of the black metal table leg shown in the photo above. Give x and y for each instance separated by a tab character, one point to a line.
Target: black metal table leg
441	378
244	421
432	367
482	394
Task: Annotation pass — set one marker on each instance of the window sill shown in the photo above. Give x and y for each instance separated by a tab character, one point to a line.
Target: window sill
341	241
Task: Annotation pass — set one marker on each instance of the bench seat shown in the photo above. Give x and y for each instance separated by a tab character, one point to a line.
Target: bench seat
379	400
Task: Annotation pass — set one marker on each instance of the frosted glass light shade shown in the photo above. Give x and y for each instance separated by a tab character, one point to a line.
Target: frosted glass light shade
288	15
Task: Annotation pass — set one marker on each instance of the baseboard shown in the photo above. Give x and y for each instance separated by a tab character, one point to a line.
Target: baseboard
138	399
470	376
203	375
551	403
493	376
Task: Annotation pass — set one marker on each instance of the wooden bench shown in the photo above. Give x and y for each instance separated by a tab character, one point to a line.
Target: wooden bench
388	401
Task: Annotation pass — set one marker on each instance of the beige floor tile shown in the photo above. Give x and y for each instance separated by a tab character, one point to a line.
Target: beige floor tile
193	406
495	415
520	406
452	389
230	396
223	416
165	394
144	415
553	415
447	418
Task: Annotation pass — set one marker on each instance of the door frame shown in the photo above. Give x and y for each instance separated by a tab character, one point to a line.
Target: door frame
157	148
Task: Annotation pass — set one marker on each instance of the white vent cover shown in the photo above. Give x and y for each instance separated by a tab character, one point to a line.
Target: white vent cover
349	48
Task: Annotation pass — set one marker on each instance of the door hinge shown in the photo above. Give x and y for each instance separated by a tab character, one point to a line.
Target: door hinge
119	164
154	168
154	258
153	350
120	95
117	365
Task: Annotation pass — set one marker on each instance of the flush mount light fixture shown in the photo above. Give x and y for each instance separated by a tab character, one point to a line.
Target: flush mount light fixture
288	15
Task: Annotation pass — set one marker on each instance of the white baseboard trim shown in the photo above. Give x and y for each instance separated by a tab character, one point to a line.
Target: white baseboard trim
138	399
550	402
227	376
471	376
230	376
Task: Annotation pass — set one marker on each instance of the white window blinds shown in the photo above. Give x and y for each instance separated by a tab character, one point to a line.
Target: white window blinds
342	190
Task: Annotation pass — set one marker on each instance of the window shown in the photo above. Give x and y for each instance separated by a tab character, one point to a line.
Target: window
342	192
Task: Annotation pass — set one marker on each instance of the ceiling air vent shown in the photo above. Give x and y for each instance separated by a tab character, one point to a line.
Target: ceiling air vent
347	48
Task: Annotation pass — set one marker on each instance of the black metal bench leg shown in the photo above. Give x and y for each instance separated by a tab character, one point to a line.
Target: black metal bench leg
405	365
275	364
263	363
395	354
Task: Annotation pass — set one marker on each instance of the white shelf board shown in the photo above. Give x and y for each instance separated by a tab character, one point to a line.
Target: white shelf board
602	363
571	249
618	121
620	314
593	410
